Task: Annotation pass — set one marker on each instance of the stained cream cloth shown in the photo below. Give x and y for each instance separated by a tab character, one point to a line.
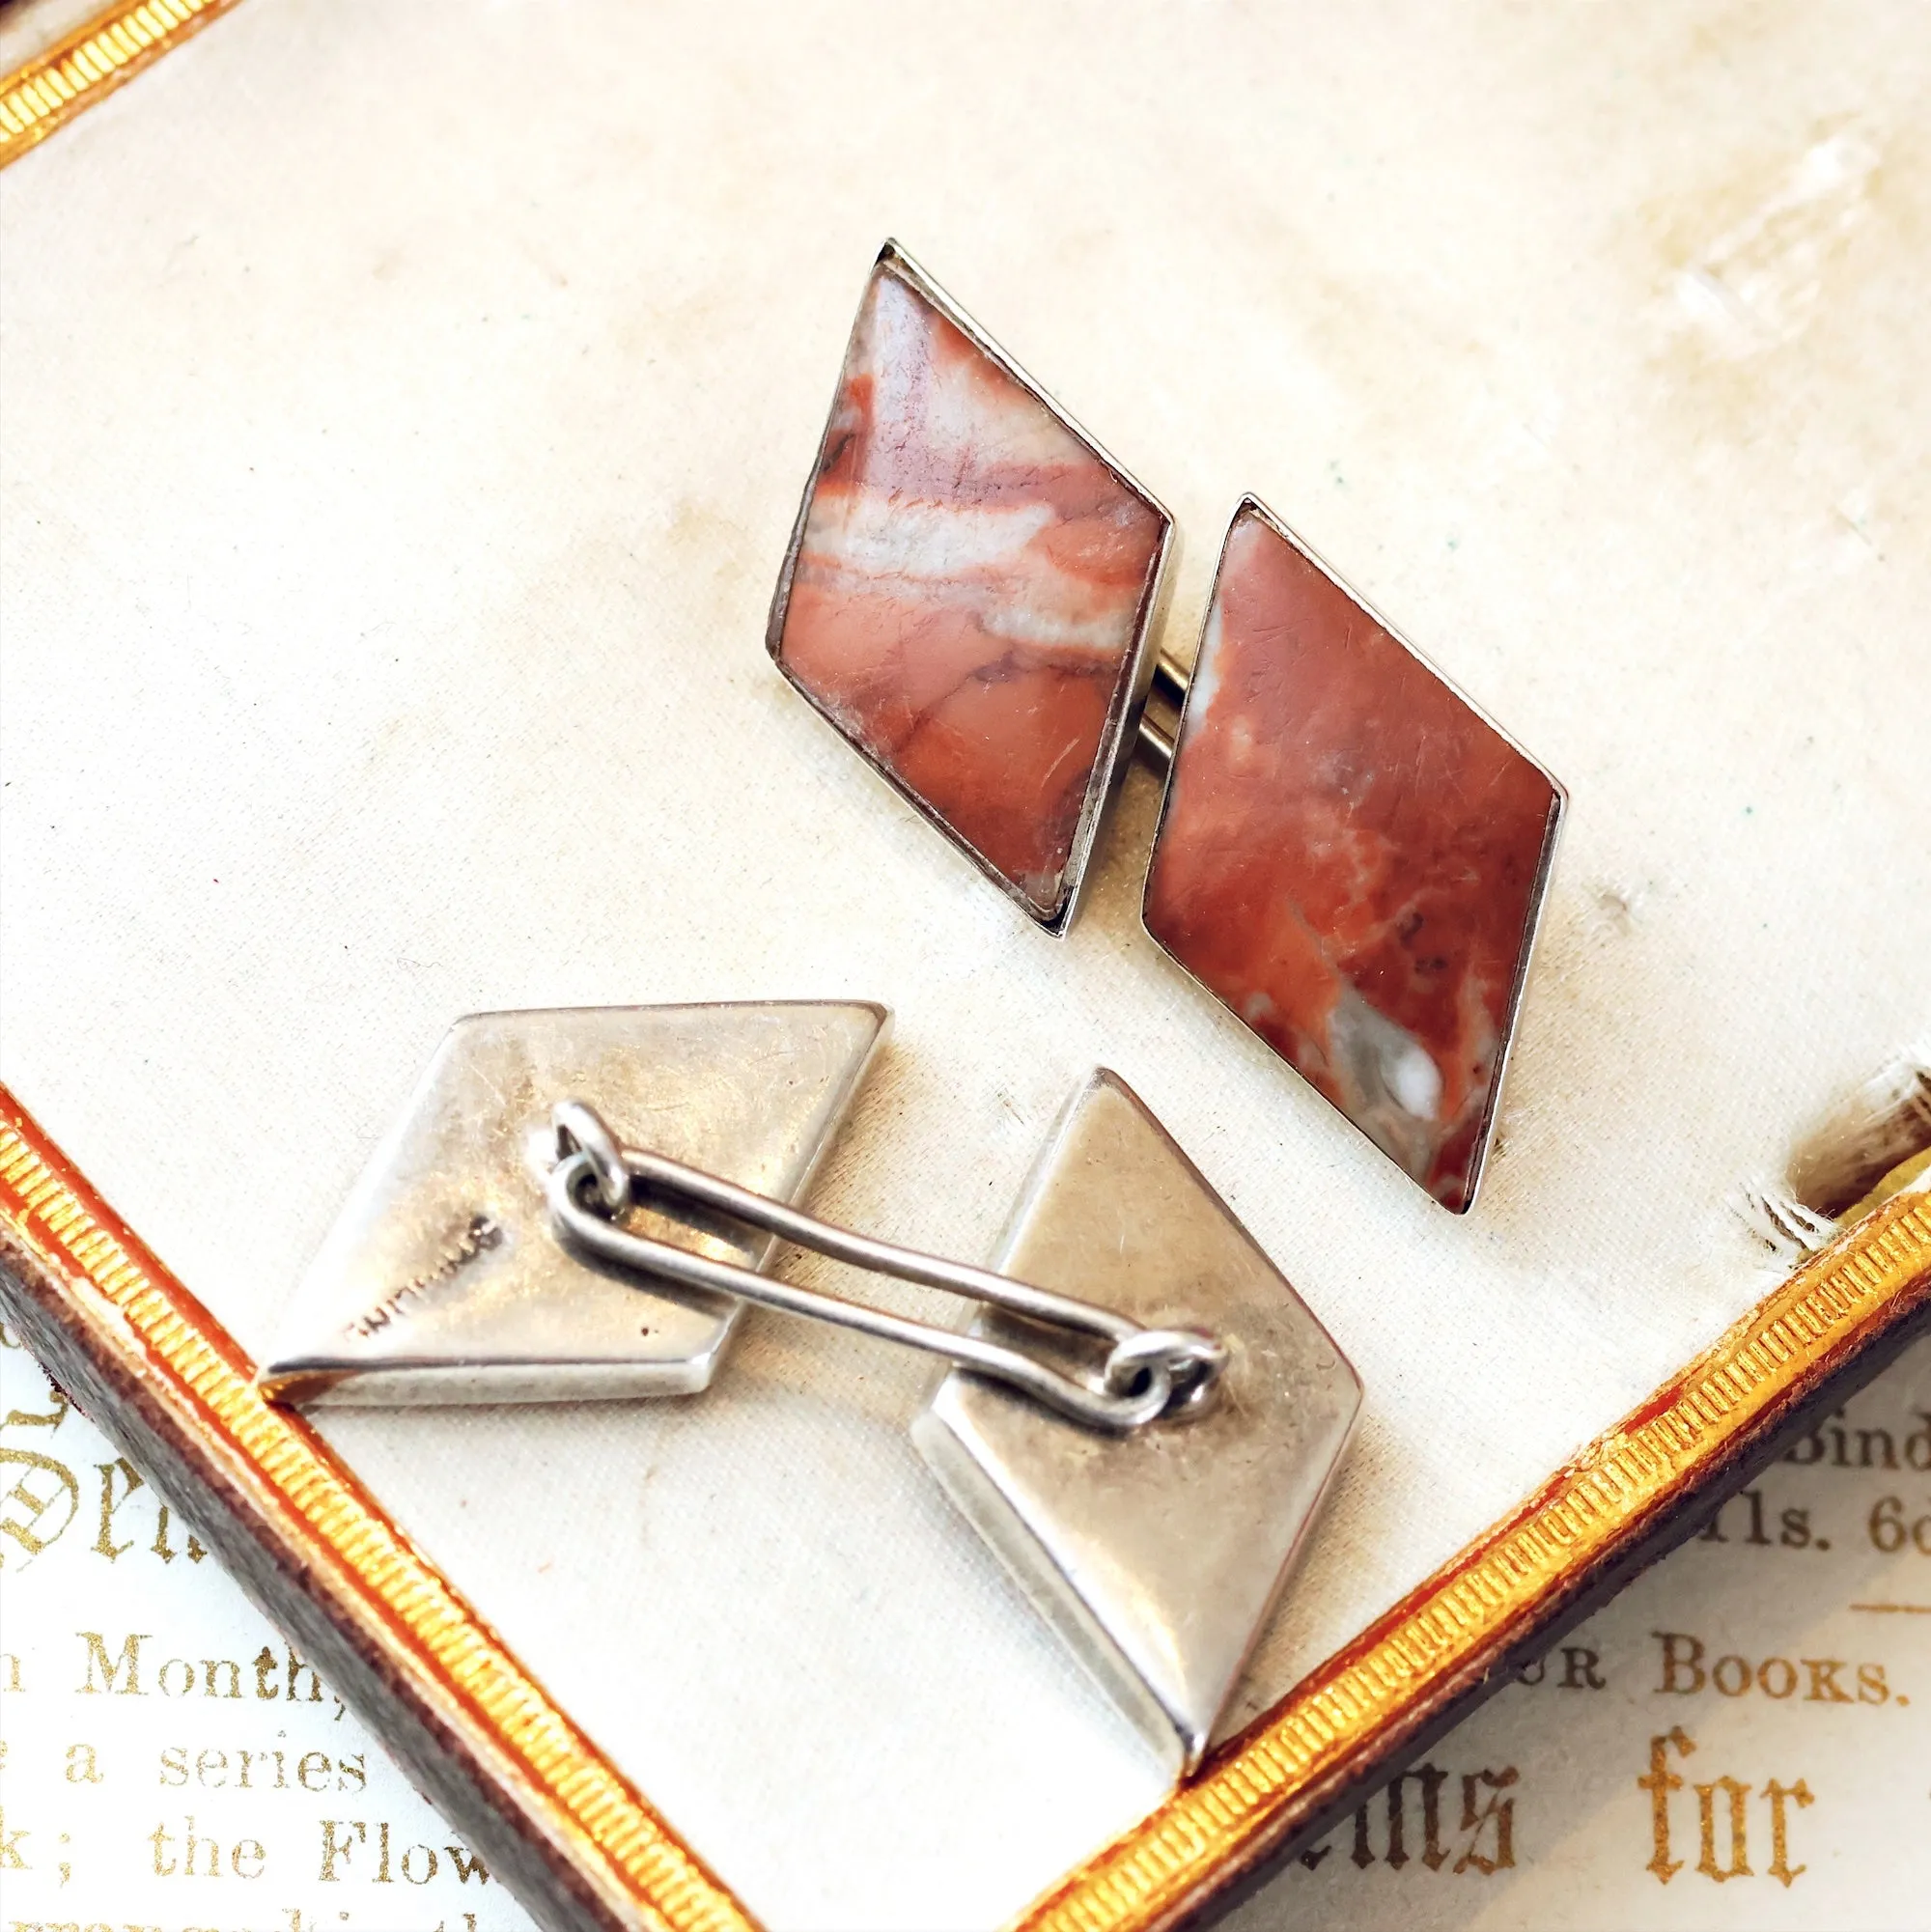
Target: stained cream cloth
404	410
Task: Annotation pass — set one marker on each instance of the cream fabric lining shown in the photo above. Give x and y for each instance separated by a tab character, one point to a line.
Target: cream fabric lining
404	411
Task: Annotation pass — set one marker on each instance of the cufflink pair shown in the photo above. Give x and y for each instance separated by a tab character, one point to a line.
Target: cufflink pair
1140	1417
1349	856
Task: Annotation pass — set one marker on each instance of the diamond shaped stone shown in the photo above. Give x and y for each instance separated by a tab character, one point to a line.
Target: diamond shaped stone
969	591
1352	856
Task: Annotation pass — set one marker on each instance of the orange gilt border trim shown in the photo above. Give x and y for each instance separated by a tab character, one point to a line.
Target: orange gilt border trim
1395	1671
134	1307
1254	1793
89	63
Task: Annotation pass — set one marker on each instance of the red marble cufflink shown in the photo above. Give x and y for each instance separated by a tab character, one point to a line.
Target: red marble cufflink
970	591
1350	856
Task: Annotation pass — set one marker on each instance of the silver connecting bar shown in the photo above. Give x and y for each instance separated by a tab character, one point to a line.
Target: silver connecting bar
1169	686
1147	1374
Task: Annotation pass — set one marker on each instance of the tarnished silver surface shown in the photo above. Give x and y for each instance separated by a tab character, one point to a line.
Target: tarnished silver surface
1144	1374
1158	1555
442	1281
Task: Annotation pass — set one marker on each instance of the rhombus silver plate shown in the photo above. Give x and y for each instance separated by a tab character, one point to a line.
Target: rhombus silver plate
441	1282
1158	1555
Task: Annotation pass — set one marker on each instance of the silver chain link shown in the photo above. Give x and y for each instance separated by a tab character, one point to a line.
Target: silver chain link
1148	1374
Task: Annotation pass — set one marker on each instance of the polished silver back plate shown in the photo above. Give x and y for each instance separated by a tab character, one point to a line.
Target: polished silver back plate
442	1281
1158	1555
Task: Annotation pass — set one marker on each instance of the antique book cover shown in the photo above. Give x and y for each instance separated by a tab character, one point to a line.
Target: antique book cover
404	413
181	1743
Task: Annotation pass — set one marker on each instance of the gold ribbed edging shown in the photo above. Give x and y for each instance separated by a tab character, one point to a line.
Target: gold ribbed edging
90	64
1173	1855
129	1304
132	1307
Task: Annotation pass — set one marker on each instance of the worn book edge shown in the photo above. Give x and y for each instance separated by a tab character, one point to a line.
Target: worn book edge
157	1374
582	1848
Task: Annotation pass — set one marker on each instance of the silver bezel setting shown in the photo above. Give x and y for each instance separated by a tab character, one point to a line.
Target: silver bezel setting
1130	692
1251	505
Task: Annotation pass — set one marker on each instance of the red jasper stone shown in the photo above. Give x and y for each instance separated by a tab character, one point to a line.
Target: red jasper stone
972	582
1350	858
